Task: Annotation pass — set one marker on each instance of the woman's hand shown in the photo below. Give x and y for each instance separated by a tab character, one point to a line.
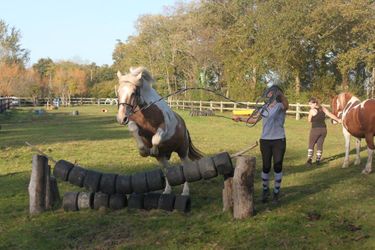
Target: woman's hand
313	112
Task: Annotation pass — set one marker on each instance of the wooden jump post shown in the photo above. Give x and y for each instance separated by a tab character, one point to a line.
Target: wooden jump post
238	191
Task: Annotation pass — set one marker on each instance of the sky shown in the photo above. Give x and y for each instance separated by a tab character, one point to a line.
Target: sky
83	31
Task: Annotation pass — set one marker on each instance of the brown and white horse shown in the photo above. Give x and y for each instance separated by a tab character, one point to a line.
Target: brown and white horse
157	130
358	120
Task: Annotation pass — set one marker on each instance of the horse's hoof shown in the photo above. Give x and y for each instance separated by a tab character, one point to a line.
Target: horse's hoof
345	165
144	152
366	171
154	151
357	162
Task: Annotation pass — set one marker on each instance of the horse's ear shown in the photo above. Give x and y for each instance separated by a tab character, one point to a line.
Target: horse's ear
139	76
119	74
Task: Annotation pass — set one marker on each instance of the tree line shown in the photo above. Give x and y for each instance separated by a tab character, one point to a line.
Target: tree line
309	47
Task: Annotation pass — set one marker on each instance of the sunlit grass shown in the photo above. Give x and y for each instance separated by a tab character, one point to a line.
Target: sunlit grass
343	198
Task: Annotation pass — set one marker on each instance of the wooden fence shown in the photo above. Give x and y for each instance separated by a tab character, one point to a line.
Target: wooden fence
5	103
296	110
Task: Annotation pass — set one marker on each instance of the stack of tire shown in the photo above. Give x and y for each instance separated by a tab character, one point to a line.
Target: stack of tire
110	190
195	112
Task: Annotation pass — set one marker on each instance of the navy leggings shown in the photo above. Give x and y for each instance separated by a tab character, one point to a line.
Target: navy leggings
272	149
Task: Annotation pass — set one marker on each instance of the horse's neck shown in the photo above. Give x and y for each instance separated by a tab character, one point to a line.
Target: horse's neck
350	104
149	94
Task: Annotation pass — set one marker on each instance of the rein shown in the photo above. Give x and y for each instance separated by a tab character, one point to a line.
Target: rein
259	112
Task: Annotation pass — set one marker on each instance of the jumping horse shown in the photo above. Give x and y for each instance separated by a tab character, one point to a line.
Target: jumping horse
358	120
157	130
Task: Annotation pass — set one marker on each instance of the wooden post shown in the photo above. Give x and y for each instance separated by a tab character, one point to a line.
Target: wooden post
298	116
200	105
227	195
221	106
43	190
243	187
238	192
183	104
37	185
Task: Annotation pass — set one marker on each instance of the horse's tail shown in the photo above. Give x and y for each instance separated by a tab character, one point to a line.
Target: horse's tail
194	153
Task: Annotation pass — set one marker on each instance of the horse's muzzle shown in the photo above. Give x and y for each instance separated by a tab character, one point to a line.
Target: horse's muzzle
123	120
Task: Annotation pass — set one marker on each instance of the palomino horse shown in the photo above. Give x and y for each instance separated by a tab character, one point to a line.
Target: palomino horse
157	130
358	120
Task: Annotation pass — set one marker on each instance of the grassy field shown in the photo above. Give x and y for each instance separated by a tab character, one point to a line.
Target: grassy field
344	198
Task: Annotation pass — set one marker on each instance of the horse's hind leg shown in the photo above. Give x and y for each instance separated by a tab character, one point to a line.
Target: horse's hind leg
358	150
164	162
370	151
347	147
185	190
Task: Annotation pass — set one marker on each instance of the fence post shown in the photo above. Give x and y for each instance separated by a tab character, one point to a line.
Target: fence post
200	105
234	105
211	107
298	116
221	106
183	104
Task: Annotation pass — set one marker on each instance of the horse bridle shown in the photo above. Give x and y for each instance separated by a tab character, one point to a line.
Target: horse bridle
134	103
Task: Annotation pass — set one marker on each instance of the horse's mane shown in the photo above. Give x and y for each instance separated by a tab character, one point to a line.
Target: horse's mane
146	75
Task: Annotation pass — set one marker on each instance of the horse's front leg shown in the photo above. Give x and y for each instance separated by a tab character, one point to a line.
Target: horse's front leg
157	139
370	151
347	147
143	149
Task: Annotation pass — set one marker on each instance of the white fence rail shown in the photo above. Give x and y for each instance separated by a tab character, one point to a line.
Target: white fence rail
296	109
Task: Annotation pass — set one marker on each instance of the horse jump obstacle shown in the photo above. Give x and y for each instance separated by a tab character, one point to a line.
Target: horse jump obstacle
109	190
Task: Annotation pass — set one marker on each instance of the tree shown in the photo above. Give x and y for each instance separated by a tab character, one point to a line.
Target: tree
10	47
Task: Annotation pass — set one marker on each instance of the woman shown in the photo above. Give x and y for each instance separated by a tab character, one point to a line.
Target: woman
272	140
318	132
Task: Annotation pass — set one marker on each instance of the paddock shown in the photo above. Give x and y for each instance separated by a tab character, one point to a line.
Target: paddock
321	207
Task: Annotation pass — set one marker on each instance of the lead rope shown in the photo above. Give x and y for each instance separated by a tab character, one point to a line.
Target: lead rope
258	112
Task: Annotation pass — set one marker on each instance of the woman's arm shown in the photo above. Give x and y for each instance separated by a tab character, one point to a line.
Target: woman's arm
312	113
284	101
330	115
252	120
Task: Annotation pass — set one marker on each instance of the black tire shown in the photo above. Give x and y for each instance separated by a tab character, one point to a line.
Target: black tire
191	171
223	163
182	203
70	201
175	176
135	201
101	200
124	184
151	201
207	168
117	201
92	181
166	202
62	169
108	183
155	180
85	200
139	183
77	176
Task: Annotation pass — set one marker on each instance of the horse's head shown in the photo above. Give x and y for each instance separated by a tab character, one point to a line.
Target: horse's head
339	102
129	92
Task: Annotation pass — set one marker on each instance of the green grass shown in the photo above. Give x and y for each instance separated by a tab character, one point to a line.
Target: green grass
344	198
